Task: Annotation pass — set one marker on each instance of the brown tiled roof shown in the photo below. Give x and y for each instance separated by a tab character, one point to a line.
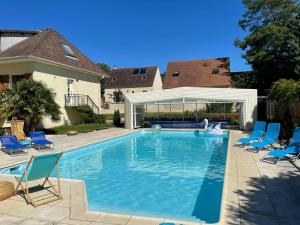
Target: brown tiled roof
19	31
124	78
198	73
47	45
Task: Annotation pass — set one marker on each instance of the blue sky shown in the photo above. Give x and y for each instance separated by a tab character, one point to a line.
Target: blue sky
127	33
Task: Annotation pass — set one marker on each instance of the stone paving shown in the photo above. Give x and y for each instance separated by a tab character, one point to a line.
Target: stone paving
63	142
258	192
255	192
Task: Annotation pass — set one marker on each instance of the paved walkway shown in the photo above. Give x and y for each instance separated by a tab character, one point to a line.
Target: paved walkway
260	193
255	192
63	142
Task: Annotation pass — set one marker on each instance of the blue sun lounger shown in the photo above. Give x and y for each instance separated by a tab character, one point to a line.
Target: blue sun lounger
40	167
258	131
10	143
38	138
270	138
292	149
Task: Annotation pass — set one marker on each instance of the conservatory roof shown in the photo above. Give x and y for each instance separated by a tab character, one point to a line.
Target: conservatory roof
186	93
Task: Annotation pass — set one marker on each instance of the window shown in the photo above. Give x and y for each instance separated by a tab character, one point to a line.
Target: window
113	79
132	92
144	90
144	77
139	71
142	70
215	71
68	51
136	71
129	78
175	74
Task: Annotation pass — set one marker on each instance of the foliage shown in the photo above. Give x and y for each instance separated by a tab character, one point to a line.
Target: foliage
3	112
285	91
118	96
81	128
117	118
219	107
272	46
33	100
233	117
86	114
244	80
105	67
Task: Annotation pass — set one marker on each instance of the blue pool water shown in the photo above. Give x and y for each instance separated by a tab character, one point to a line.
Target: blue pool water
173	174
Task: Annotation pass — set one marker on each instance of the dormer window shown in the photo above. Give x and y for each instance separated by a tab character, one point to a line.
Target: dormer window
113	79
144	77
68	51
142	71
176	74
136	71
139	71
215	71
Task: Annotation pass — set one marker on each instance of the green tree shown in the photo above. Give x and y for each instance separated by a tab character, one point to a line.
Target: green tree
33	100
3	111
117	118
105	67
272	46
118	96
244	80
285	90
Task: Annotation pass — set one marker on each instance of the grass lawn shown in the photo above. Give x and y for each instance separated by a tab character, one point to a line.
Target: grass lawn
82	128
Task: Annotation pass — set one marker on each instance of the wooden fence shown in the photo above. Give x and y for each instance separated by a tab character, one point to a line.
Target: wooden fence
286	113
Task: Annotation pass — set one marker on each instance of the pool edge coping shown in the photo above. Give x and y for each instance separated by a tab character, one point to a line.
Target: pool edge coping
85	210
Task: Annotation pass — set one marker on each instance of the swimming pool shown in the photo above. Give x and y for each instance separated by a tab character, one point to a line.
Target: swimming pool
171	174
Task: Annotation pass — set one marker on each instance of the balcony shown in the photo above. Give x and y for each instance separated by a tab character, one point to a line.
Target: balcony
78	99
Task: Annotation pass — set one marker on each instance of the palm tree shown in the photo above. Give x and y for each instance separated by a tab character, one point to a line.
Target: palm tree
31	99
3	112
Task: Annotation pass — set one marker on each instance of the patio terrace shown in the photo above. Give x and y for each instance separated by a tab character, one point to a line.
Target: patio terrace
255	192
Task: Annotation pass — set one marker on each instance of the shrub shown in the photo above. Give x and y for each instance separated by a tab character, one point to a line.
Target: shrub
99	118
285	90
86	114
117	118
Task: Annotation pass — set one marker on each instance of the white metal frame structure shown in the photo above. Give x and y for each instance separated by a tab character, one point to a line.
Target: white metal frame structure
248	98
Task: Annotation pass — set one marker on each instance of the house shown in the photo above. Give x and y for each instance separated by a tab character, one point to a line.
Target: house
198	73
131	80
44	55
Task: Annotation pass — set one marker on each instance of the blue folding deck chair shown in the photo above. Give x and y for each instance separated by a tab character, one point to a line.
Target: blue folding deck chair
258	132
272	134
10	143
292	149
39	167
38	138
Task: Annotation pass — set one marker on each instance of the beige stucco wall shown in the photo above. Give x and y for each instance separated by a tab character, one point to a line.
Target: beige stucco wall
109	93
157	83
16	68
113	107
57	79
